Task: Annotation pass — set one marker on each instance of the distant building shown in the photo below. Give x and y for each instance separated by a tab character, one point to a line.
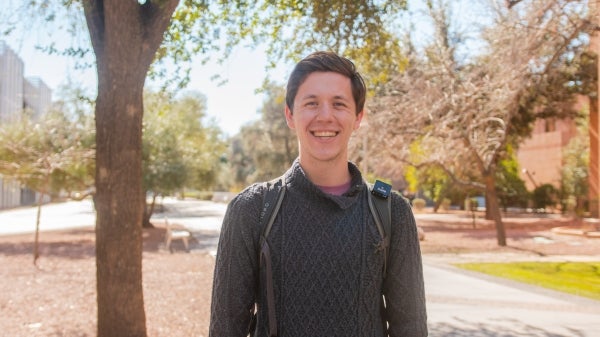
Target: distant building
11	83
37	97
541	156
18	95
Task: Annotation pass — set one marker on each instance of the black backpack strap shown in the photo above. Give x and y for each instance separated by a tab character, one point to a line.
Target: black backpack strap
275	191
380	206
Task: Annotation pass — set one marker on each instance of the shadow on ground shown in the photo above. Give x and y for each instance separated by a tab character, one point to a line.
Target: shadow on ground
183	210
505	328
80	243
71	244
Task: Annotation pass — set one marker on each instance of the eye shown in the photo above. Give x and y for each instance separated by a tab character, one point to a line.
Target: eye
311	104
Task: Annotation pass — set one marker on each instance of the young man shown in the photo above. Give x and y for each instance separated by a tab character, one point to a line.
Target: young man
325	249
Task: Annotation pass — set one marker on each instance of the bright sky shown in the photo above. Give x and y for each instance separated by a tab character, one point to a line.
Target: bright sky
232	104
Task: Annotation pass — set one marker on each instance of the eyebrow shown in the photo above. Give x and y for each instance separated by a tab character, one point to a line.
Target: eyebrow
311	96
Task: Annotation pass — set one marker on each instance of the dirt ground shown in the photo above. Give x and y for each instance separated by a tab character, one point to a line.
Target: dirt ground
58	298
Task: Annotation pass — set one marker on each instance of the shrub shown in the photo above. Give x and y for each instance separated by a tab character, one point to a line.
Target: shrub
544	196
445	204
471	204
418	204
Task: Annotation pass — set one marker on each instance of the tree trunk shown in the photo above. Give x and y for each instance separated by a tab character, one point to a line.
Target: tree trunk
125	36
40	201
119	201
438	201
493	208
148	211
36	244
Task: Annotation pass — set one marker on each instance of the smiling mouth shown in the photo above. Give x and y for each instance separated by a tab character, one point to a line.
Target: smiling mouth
324	134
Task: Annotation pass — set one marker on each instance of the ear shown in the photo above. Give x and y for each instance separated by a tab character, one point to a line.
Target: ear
359	118
289	118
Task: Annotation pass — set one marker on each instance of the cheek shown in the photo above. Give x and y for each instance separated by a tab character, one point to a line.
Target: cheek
351	121
299	119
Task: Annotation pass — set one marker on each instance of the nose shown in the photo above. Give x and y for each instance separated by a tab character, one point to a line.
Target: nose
325	112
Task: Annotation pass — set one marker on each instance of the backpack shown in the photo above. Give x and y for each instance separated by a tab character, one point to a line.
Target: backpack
379	205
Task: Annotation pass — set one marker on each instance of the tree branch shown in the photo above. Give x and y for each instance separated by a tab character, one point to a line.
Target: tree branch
511	3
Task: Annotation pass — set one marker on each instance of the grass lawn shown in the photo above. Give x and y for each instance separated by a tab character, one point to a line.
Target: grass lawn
578	278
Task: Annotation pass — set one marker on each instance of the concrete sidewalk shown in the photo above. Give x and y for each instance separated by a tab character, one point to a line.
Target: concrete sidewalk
468	304
55	216
193	214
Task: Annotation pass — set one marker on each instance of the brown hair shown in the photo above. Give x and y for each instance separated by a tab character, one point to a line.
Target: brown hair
324	61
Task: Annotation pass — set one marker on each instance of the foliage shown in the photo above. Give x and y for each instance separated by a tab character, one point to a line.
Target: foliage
240	160
471	204
264	149
181	148
432	179
289	30
49	155
445	204
363	30
544	196
577	278
77	107
509	186
418	204
465	112
279	149
574	183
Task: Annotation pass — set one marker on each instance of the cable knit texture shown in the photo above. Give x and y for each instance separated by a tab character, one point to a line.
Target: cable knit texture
327	265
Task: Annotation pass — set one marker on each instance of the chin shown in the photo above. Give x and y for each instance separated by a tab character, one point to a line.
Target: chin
327	157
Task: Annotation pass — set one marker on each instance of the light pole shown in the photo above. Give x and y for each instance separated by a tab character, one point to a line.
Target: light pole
530	176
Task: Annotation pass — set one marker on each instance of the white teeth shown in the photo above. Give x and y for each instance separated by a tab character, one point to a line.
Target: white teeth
324	133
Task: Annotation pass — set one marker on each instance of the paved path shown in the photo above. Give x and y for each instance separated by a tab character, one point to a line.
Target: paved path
195	215
464	304
460	303
72	214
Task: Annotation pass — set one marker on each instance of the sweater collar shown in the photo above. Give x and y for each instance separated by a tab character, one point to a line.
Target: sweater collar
296	179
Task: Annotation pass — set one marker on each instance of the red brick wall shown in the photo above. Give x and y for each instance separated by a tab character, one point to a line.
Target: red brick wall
541	154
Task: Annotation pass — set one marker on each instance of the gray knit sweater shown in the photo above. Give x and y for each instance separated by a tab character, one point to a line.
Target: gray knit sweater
327	270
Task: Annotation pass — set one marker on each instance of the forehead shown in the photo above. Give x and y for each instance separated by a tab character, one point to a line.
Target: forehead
325	83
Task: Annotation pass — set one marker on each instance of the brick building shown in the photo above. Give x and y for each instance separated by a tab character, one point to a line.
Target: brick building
541	156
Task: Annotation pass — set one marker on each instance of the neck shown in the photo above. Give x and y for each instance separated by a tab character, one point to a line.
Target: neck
329	173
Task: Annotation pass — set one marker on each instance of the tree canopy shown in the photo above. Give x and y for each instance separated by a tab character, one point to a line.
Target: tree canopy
181	147
465	114
51	155
265	148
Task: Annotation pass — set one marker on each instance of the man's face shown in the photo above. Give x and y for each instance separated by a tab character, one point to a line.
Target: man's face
324	117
